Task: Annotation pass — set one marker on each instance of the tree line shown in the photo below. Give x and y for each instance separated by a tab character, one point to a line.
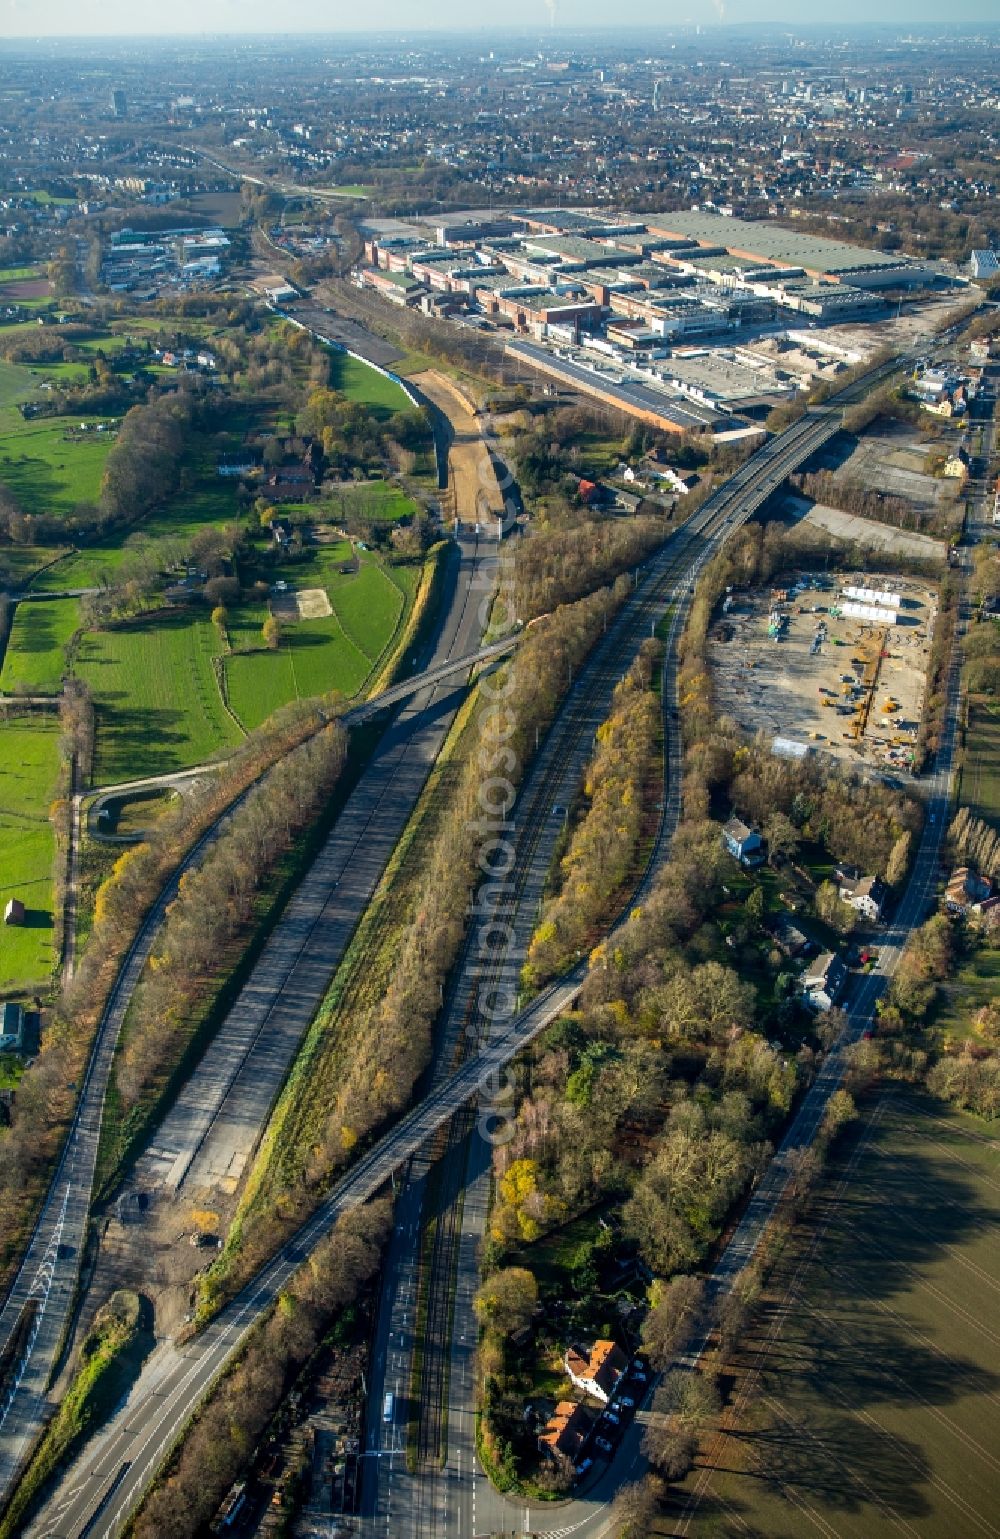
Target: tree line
143	468
213	914
555	565
231	1423
45	1098
372	1039
619	782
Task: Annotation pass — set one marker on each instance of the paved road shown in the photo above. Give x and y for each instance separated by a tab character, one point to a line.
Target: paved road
220	1114
455	1496
48	1273
213	1127
471	1505
438	671
174	1380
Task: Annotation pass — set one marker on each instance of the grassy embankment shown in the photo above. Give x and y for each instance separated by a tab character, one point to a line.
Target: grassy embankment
29	772
110	1357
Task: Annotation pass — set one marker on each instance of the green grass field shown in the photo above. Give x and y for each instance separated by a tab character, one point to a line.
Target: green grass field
975	982
29	768
337	652
207	499
867	1395
17	383
360	383
35	660
20	274
158	703
22	563
49	473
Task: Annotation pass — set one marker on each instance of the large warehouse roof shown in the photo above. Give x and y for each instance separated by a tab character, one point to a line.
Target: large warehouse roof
770	242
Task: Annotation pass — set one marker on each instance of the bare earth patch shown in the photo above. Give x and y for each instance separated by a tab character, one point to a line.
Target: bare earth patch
26	288
313	604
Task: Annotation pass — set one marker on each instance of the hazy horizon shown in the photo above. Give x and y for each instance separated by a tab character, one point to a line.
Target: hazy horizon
73	19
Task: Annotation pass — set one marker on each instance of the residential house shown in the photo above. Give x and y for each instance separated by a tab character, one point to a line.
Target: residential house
788	938
566	1431
867	894
591	493
11	1027
966	891
823	980
599	1373
743	842
240	463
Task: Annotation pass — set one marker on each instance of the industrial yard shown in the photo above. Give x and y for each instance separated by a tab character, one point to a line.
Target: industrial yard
828	663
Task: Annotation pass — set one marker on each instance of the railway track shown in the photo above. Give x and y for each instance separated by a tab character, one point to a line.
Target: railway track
668	569
172	1387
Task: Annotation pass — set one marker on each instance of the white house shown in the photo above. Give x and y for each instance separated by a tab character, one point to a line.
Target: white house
823	980
866	894
743	842
600	1372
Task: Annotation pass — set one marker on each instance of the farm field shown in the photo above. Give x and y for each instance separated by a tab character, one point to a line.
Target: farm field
20	563
17	383
360	383
29	769
49	473
158	703
35	660
207	500
335	652
980	788
866	1398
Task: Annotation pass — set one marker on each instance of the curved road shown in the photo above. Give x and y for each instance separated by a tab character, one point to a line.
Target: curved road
104	1485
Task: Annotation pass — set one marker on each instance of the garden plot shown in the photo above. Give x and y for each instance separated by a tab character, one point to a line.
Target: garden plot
786	660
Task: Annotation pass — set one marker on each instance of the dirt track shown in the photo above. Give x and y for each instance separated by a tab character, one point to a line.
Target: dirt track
472	479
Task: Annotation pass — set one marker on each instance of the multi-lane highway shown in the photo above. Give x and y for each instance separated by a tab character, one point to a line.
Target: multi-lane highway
221	1111
429	1499
103	1486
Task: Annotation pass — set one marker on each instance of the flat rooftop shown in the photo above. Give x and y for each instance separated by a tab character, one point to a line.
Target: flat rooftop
770	242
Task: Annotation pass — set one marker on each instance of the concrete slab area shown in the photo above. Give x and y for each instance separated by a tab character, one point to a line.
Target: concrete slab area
866	531
806	683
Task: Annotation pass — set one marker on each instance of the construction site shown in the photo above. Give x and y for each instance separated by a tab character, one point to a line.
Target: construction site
827	663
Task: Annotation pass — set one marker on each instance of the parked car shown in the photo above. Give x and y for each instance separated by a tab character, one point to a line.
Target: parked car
626	1401
603	1444
612	1417
583	1466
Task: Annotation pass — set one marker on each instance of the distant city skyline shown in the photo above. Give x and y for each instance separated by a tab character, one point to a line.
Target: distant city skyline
76	18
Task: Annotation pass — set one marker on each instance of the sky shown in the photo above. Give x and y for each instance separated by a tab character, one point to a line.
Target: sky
74	18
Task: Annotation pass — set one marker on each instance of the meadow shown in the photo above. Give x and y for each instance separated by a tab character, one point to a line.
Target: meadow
360	383
29	769
35	659
158	703
49	473
338	652
980	788
866	1397
207	499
